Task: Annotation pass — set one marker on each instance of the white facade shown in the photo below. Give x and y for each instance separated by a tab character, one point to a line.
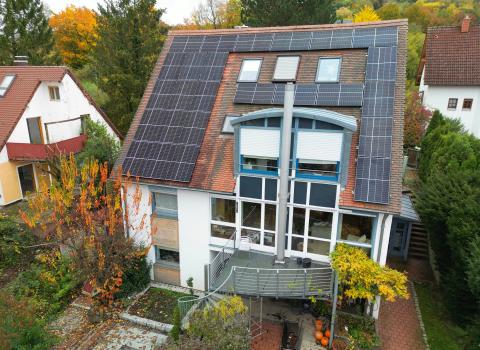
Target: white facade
436	98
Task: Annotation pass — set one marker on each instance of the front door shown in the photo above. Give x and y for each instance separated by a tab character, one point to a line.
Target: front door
27	178
399	238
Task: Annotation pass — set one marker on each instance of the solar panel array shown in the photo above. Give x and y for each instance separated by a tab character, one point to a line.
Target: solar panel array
168	139
350	95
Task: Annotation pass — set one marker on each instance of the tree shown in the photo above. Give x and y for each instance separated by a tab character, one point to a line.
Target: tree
131	36
24	31
100	145
82	213
366	14
415	45
390	10
214	14
264	13
416	118
75	34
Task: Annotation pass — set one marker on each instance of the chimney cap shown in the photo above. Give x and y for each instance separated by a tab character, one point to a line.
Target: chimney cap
20	60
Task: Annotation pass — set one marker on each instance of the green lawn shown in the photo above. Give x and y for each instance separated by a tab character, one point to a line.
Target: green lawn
442	333
157	304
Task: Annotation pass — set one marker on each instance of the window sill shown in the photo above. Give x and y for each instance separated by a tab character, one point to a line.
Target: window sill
164	215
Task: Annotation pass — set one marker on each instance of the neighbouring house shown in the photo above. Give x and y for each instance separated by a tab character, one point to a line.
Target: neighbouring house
259	149
42	111
449	73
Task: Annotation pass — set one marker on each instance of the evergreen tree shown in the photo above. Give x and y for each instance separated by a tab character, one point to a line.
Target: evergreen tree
130	38
264	13
24	31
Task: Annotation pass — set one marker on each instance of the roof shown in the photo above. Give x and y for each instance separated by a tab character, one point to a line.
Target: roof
27	79
174	161
450	57
408	211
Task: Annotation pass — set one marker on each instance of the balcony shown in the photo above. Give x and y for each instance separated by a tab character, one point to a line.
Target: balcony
39	152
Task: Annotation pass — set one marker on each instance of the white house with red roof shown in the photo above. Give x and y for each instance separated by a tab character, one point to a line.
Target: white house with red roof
42	108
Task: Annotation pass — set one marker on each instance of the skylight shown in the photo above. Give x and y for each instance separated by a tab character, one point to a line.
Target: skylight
6	82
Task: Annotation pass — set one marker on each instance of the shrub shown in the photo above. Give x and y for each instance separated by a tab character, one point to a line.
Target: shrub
136	276
13	238
177	324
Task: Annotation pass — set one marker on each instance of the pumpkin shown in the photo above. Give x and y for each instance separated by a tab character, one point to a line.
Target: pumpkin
319	335
318	325
327	333
324	341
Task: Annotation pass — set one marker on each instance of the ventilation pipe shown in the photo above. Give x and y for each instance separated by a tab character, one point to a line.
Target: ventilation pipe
284	170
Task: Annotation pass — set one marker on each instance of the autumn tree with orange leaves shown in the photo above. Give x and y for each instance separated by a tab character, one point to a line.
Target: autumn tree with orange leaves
82	214
75	32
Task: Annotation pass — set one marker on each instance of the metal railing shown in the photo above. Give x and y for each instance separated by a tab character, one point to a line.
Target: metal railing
216	267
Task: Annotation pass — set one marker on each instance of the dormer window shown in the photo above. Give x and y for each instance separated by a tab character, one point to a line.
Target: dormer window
328	70
250	70
286	68
6	83
54	92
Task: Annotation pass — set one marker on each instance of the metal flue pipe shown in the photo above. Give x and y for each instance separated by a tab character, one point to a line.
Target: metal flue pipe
284	170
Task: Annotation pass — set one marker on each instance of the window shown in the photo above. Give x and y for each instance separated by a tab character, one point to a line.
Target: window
356	229
328	70
286	68
227	127
54	92
223	210
35	130
222	231
167	256
325	169
166	204
6	83
251	214
259	164
250	70
467	104
452	103
320	224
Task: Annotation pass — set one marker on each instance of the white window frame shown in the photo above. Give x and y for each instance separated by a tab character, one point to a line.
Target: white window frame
54	92
164	213
339	59
10	78
239	78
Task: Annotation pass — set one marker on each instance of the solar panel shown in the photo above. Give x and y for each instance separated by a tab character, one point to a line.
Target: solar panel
168	139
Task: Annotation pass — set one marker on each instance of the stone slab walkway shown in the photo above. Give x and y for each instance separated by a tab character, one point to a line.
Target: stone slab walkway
398	324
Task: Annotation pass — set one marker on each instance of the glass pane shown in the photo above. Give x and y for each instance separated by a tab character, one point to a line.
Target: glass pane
297	243
254	235
223	210
322	168
320	224
356	228
261	164
7	80
271	189
300	194
169	256
298	225
269	239
165	201
323	195
270	216
221	231
304	123
249	70
328	69
250	187
251	214
318	247
273	122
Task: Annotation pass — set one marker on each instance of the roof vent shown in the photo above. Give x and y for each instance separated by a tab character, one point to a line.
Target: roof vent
465	24
20	61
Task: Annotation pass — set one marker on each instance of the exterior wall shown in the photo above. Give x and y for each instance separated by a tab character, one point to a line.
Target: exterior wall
194	236
72	104
436	98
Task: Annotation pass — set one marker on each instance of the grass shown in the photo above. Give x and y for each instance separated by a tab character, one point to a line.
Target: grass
157	304
442	333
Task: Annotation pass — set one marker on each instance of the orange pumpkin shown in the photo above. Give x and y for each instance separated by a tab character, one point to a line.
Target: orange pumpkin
318	325
319	335
324	341
327	333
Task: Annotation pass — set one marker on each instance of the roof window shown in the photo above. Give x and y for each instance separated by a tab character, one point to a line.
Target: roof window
6	83
328	70
250	70
286	68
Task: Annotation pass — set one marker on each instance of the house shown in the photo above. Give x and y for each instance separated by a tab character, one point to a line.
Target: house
449	73
259	149
42	110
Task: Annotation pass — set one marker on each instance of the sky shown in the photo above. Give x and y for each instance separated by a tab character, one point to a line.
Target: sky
177	10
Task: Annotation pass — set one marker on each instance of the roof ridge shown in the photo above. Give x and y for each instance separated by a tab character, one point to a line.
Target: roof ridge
299	28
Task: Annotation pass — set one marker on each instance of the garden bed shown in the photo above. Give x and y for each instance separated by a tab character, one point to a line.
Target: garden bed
156	304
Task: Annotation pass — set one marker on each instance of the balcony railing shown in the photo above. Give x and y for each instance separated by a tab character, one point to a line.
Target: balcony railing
30	151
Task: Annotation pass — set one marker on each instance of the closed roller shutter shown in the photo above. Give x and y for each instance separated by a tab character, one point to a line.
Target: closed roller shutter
286	68
319	145
260	143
